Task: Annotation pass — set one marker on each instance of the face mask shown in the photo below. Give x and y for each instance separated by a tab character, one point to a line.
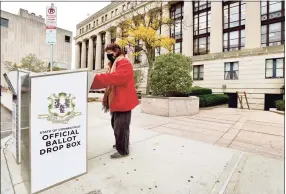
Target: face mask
110	57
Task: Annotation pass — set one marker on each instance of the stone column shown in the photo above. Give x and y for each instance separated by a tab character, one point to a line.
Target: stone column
252	25
98	52
90	54
118	33
83	54
188	29
77	56
165	29
216	37
107	41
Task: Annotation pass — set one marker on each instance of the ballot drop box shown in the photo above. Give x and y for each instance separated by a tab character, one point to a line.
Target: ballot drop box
54	146
14	81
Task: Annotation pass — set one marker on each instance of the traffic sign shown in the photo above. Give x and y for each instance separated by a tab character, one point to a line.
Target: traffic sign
51	25
51	36
51	18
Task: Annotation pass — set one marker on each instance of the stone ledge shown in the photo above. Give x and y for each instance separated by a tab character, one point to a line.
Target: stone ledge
239	53
170	106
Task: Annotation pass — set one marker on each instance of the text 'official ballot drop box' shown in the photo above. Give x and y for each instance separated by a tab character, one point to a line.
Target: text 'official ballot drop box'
54	148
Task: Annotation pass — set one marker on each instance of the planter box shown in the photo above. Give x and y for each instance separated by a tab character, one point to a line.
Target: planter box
170	106
276	111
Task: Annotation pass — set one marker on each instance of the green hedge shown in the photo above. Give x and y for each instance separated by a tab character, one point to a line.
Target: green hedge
197	91
280	105
208	100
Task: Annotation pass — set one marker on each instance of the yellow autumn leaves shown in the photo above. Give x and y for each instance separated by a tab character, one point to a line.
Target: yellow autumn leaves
135	30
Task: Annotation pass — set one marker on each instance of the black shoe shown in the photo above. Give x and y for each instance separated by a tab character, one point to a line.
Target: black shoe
116	155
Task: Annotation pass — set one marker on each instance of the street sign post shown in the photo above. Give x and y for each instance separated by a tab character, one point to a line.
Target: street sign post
51	29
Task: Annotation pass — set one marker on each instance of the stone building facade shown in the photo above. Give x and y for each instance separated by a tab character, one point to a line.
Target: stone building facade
235	46
25	33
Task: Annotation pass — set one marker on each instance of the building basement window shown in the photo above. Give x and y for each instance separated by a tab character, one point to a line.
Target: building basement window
274	68
67	39
4	22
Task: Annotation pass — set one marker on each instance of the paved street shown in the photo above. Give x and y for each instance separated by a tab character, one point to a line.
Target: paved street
6	122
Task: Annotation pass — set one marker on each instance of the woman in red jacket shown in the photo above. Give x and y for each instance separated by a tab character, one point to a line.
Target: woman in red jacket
120	96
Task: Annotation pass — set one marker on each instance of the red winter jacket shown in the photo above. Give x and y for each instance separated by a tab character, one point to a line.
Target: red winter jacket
124	94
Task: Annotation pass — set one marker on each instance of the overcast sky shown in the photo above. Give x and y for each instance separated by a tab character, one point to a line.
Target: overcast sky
69	13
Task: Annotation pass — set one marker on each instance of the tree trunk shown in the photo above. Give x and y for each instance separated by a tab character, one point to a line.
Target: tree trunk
150	58
148	79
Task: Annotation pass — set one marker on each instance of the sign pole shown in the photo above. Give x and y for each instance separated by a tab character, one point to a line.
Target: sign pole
51	27
51	63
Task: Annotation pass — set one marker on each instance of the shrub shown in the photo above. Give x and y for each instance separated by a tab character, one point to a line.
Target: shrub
280	105
170	75
208	100
197	91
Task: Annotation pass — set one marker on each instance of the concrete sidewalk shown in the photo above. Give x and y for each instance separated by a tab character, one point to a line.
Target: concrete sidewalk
159	163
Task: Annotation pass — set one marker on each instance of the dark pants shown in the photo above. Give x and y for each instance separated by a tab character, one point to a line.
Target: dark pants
120	122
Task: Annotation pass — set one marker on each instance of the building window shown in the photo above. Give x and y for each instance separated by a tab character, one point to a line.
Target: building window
116	10
93	24
86	27
198	73
89	26
158	49
79	31
102	19
272	23
123	8
97	22
234	25
202	24
67	39
82	30
4	22
112	14
128	5
138	49
176	29
231	71
102	50
106	17
274	68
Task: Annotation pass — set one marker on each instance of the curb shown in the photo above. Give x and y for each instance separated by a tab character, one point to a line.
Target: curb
2	105
5	140
276	111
